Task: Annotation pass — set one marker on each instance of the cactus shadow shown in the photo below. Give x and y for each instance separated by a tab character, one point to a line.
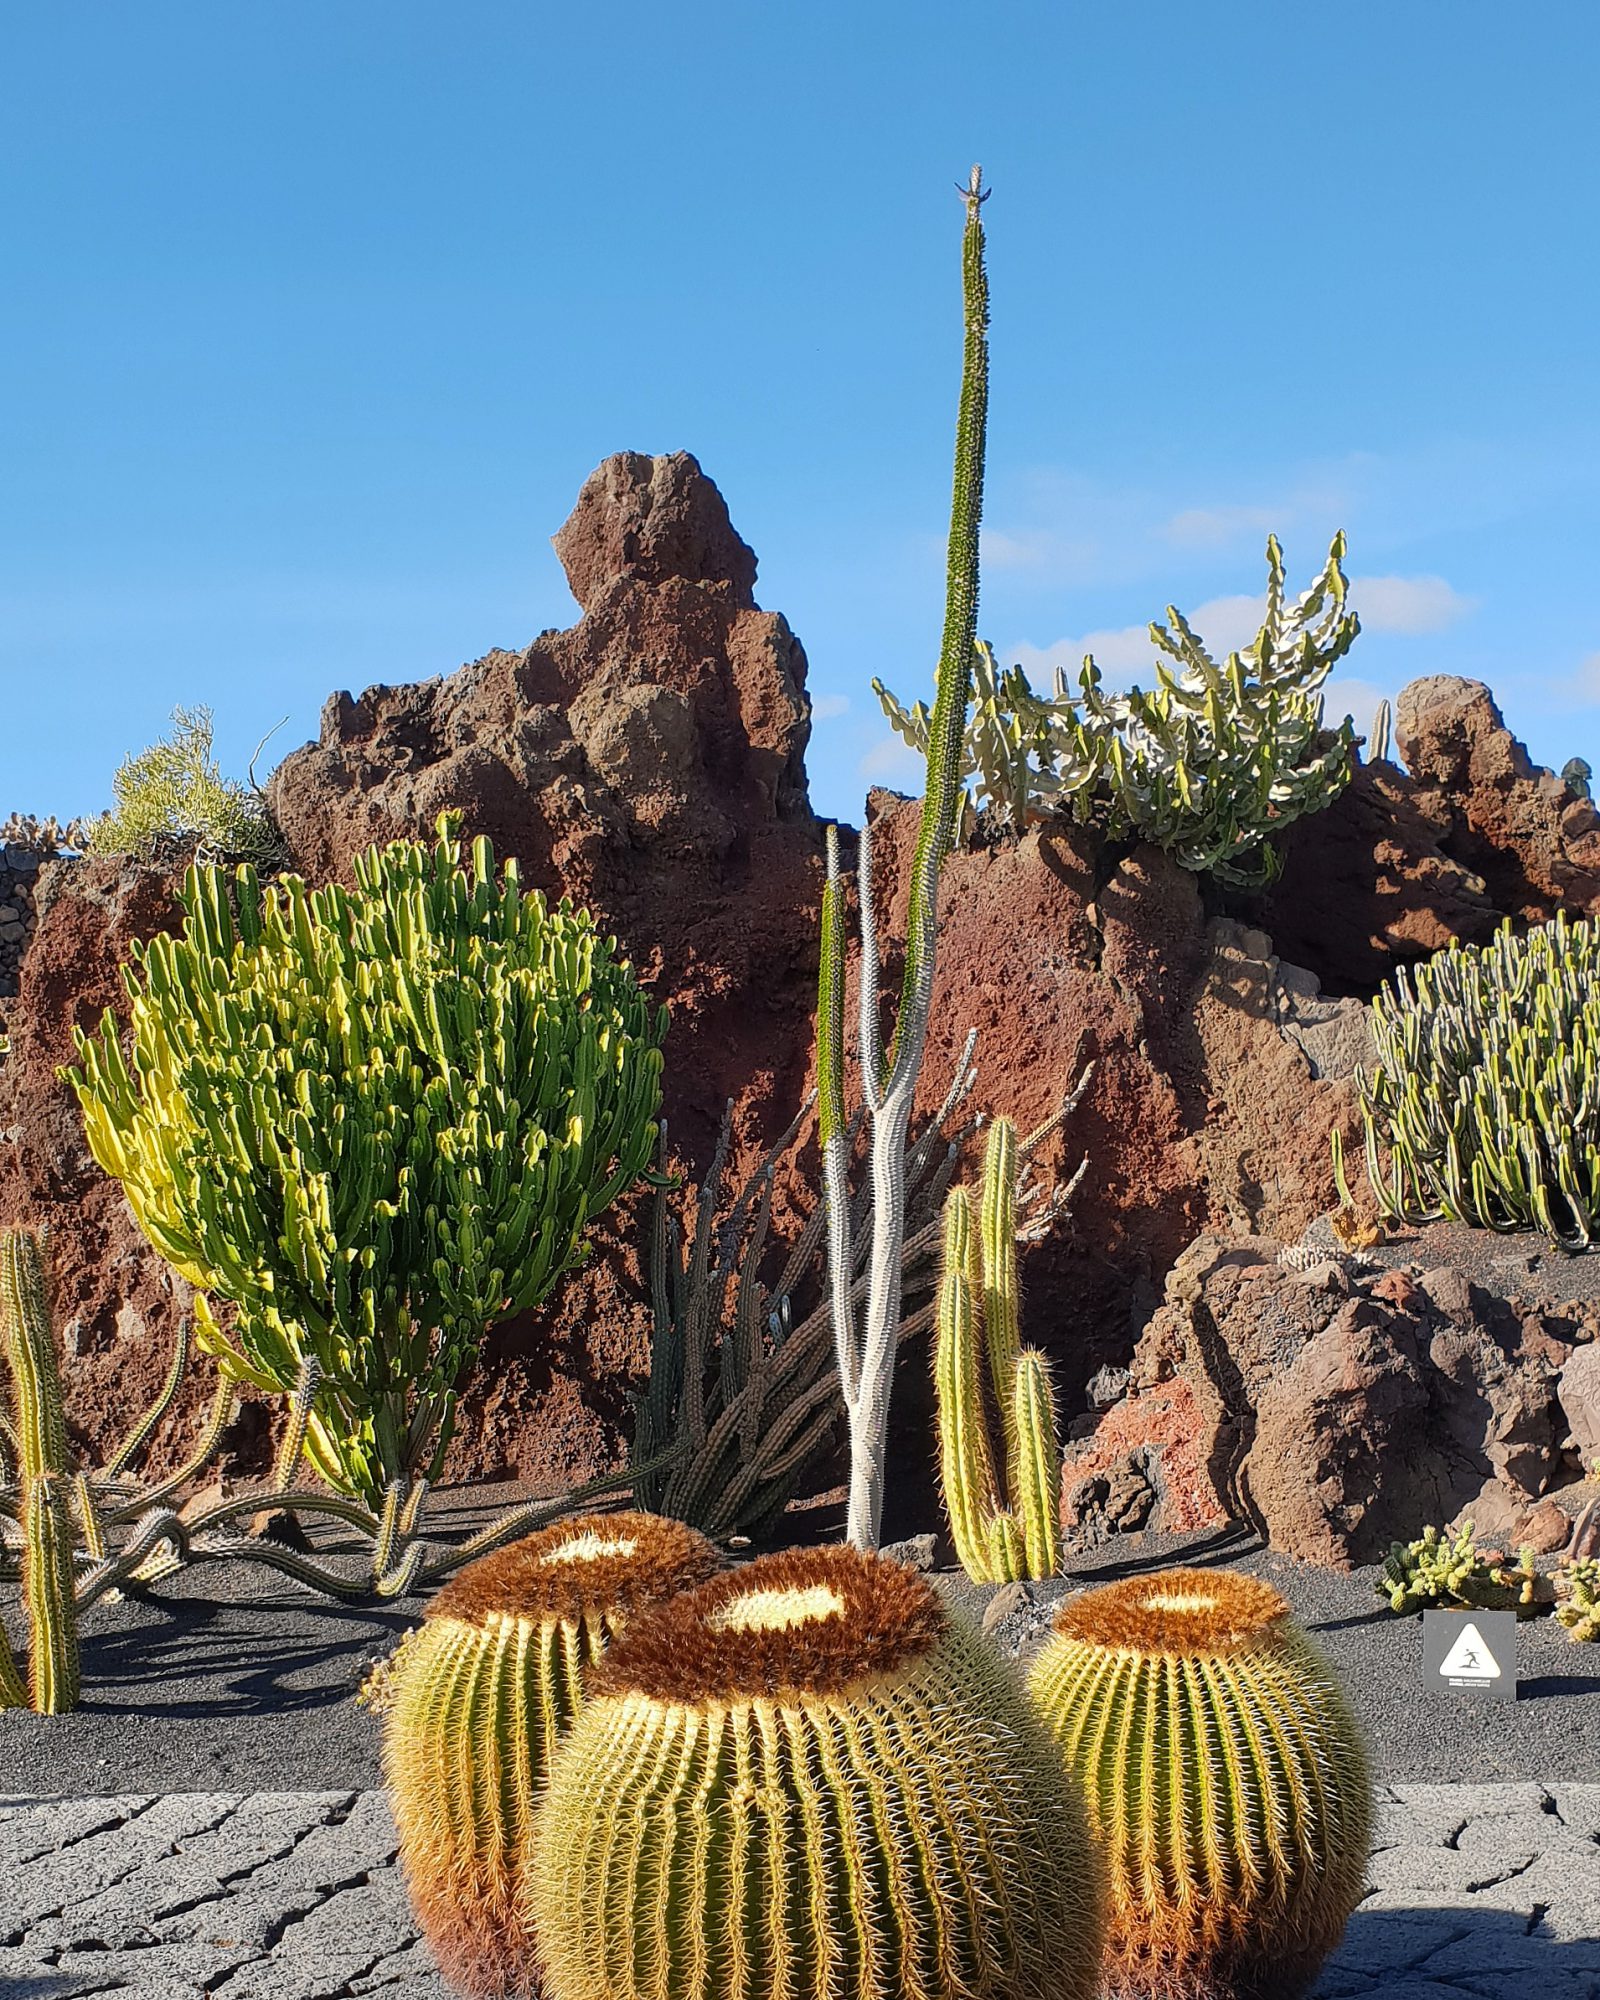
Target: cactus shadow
1489	1954
203	1660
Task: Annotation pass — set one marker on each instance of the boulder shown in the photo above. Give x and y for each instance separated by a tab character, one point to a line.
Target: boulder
1334	1408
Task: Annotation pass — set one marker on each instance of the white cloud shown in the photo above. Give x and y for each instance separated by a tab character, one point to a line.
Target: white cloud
1216	527
829	707
891	761
1223	624
1357	699
1407	603
1580	688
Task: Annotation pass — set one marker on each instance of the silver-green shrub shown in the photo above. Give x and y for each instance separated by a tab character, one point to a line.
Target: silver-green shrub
175	790
1208	764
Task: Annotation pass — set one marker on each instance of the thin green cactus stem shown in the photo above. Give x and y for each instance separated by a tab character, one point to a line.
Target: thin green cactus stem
13	1690
1007	1531
30	1350
867	1356
47	1583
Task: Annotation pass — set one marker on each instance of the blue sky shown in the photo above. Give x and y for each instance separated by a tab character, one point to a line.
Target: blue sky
315	317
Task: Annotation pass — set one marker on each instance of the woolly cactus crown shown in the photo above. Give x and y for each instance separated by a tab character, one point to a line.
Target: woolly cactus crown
803	1622
1182	1613
607	1562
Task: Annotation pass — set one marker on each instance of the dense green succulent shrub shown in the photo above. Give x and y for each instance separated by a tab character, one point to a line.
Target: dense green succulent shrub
1486	1091
175	790
1208	764
376	1120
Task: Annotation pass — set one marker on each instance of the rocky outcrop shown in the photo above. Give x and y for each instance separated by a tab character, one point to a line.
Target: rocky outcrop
1406	861
1334	1408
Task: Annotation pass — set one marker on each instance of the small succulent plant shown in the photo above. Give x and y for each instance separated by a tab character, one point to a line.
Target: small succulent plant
1435	1572
1578	1599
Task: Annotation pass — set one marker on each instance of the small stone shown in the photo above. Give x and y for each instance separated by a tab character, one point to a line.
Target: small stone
1007	1600
916	1552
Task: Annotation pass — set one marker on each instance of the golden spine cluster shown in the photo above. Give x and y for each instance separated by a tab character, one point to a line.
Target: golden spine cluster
1225	1779
802	1781
478	1700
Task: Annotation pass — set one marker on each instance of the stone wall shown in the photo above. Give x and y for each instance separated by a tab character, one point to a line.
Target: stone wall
19	870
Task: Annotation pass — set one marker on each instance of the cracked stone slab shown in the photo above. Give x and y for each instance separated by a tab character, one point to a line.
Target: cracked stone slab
1478	1892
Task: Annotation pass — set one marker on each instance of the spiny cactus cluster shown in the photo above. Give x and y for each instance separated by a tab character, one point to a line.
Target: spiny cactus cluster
1207	764
1226	1780
476	1704
377	1120
1486	1093
804	1779
1435	1571
1002	1494
1578	1599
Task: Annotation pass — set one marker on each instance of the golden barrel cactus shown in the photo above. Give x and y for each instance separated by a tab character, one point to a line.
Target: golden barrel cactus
804	1781
1225	1777
475	1703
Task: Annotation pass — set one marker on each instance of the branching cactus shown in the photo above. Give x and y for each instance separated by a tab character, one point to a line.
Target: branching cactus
866	1347
1218	756
39	1434
1436	1570
1226	1781
1484	1095
805	1780
377	1120
1001	1492
1578	1606
474	1708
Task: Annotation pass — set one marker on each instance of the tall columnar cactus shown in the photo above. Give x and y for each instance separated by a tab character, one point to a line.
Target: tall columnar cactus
1486	1092
40	1438
805	1780
1226	1781
978	1338
866	1351
478	1700
377	1120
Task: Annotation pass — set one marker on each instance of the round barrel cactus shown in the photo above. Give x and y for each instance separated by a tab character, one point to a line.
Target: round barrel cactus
475	1703
1225	1778
803	1779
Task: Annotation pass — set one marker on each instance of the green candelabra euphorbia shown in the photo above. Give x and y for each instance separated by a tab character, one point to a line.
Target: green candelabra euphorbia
376	1121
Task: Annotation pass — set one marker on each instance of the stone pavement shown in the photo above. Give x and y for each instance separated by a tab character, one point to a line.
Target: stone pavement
1479	1892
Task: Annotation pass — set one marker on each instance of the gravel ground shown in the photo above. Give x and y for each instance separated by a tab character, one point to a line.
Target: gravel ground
1478	1892
248	1689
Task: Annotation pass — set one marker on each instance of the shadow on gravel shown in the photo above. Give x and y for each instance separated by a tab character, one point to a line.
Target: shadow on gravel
203	1659
1480	1954
1224	1545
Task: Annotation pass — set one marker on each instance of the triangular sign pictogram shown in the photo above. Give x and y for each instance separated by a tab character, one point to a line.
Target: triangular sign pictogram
1469	1659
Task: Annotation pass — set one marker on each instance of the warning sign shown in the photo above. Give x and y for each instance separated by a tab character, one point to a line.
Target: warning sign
1471	1652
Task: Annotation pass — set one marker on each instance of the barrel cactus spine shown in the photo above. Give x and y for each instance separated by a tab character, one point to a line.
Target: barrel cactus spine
474	1706
1225	1777
805	1779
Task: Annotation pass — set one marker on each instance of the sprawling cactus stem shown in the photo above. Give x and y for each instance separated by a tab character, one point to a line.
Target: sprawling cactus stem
866	1354
1225	1777
978	1336
40	1427
805	1779
478	1700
